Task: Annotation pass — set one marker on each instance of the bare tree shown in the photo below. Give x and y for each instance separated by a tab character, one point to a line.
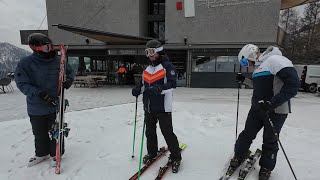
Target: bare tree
304	33
291	23
311	18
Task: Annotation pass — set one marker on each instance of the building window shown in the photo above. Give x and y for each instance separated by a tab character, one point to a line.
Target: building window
74	63
157	29
217	60
156	14
162	9
203	64
87	62
161	30
226	63
216	64
156	7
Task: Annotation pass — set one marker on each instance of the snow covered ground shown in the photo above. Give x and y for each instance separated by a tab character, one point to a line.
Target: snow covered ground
100	142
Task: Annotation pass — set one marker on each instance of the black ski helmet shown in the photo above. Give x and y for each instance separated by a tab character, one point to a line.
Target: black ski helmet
38	39
153	44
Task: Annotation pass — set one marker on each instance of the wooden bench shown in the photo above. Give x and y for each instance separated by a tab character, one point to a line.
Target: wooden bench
87	81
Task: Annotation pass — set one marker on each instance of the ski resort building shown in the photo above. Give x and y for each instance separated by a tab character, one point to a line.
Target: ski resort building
202	37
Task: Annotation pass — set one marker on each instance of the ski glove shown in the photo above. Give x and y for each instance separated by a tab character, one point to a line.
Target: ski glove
266	106
152	91
49	100
67	83
136	91
240	77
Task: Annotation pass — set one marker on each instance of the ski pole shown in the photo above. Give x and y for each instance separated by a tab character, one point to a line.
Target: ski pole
239	84
278	139
141	150
135	126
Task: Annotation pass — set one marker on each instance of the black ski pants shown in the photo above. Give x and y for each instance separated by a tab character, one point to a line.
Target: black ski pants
257	120
165	122
41	124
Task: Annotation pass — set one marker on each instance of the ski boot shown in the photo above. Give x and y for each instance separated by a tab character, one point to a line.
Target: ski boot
147	159
264	174
235	162
36	160
175	165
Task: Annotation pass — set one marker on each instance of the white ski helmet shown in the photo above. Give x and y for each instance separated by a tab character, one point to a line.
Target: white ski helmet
248	53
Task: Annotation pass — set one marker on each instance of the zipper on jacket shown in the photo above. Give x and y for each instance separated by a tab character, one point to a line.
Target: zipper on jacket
150	86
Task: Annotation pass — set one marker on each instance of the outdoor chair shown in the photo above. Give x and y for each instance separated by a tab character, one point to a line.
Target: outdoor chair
5	85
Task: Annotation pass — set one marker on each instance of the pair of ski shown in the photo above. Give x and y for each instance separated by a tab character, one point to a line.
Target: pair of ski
162	170
60	128
248	164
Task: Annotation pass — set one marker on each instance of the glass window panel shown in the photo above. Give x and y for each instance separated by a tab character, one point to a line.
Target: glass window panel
203	64
156	29
74	63
162	8
87	63
161	30
155	8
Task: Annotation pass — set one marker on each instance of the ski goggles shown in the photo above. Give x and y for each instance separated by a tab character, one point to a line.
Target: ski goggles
244	62
44	48
153	51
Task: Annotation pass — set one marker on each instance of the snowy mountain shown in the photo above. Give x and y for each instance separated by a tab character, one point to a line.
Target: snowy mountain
9	57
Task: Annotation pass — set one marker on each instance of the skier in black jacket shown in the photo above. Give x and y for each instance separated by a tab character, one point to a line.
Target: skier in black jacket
158	83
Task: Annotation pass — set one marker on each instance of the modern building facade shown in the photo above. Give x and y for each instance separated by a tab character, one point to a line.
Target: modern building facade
202	37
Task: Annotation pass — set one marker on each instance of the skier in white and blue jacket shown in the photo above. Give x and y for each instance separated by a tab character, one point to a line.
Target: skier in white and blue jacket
37	77
274	82
158	83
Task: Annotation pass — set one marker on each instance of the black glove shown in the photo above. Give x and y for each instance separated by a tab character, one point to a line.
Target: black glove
266	106
240	77
67	83
152	91
49	100
136	91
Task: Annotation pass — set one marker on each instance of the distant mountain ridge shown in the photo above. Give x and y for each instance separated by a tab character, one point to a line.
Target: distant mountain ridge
9	57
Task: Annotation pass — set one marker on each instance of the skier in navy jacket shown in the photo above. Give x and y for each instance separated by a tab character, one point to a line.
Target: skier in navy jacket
158	83
275	82
37	77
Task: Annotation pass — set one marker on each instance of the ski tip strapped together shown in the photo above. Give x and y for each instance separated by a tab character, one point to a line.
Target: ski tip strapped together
60	109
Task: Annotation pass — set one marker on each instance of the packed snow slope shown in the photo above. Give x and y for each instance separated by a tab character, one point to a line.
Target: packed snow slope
99	145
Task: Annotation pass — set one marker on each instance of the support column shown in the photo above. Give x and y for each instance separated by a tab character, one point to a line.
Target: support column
189	67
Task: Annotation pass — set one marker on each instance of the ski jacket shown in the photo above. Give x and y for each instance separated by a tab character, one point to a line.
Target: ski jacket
275	80
162	74
122	70
33	75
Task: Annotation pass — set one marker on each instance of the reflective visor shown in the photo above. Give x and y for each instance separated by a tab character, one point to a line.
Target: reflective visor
153	51
44	48
244	62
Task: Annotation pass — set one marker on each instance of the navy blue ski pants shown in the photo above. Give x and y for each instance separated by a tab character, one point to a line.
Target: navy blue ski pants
165	122
257	120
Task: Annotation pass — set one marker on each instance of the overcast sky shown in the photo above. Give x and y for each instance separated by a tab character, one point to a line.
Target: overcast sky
18	15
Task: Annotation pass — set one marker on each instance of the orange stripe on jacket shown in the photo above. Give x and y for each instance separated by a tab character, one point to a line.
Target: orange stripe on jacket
151	78
158	72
